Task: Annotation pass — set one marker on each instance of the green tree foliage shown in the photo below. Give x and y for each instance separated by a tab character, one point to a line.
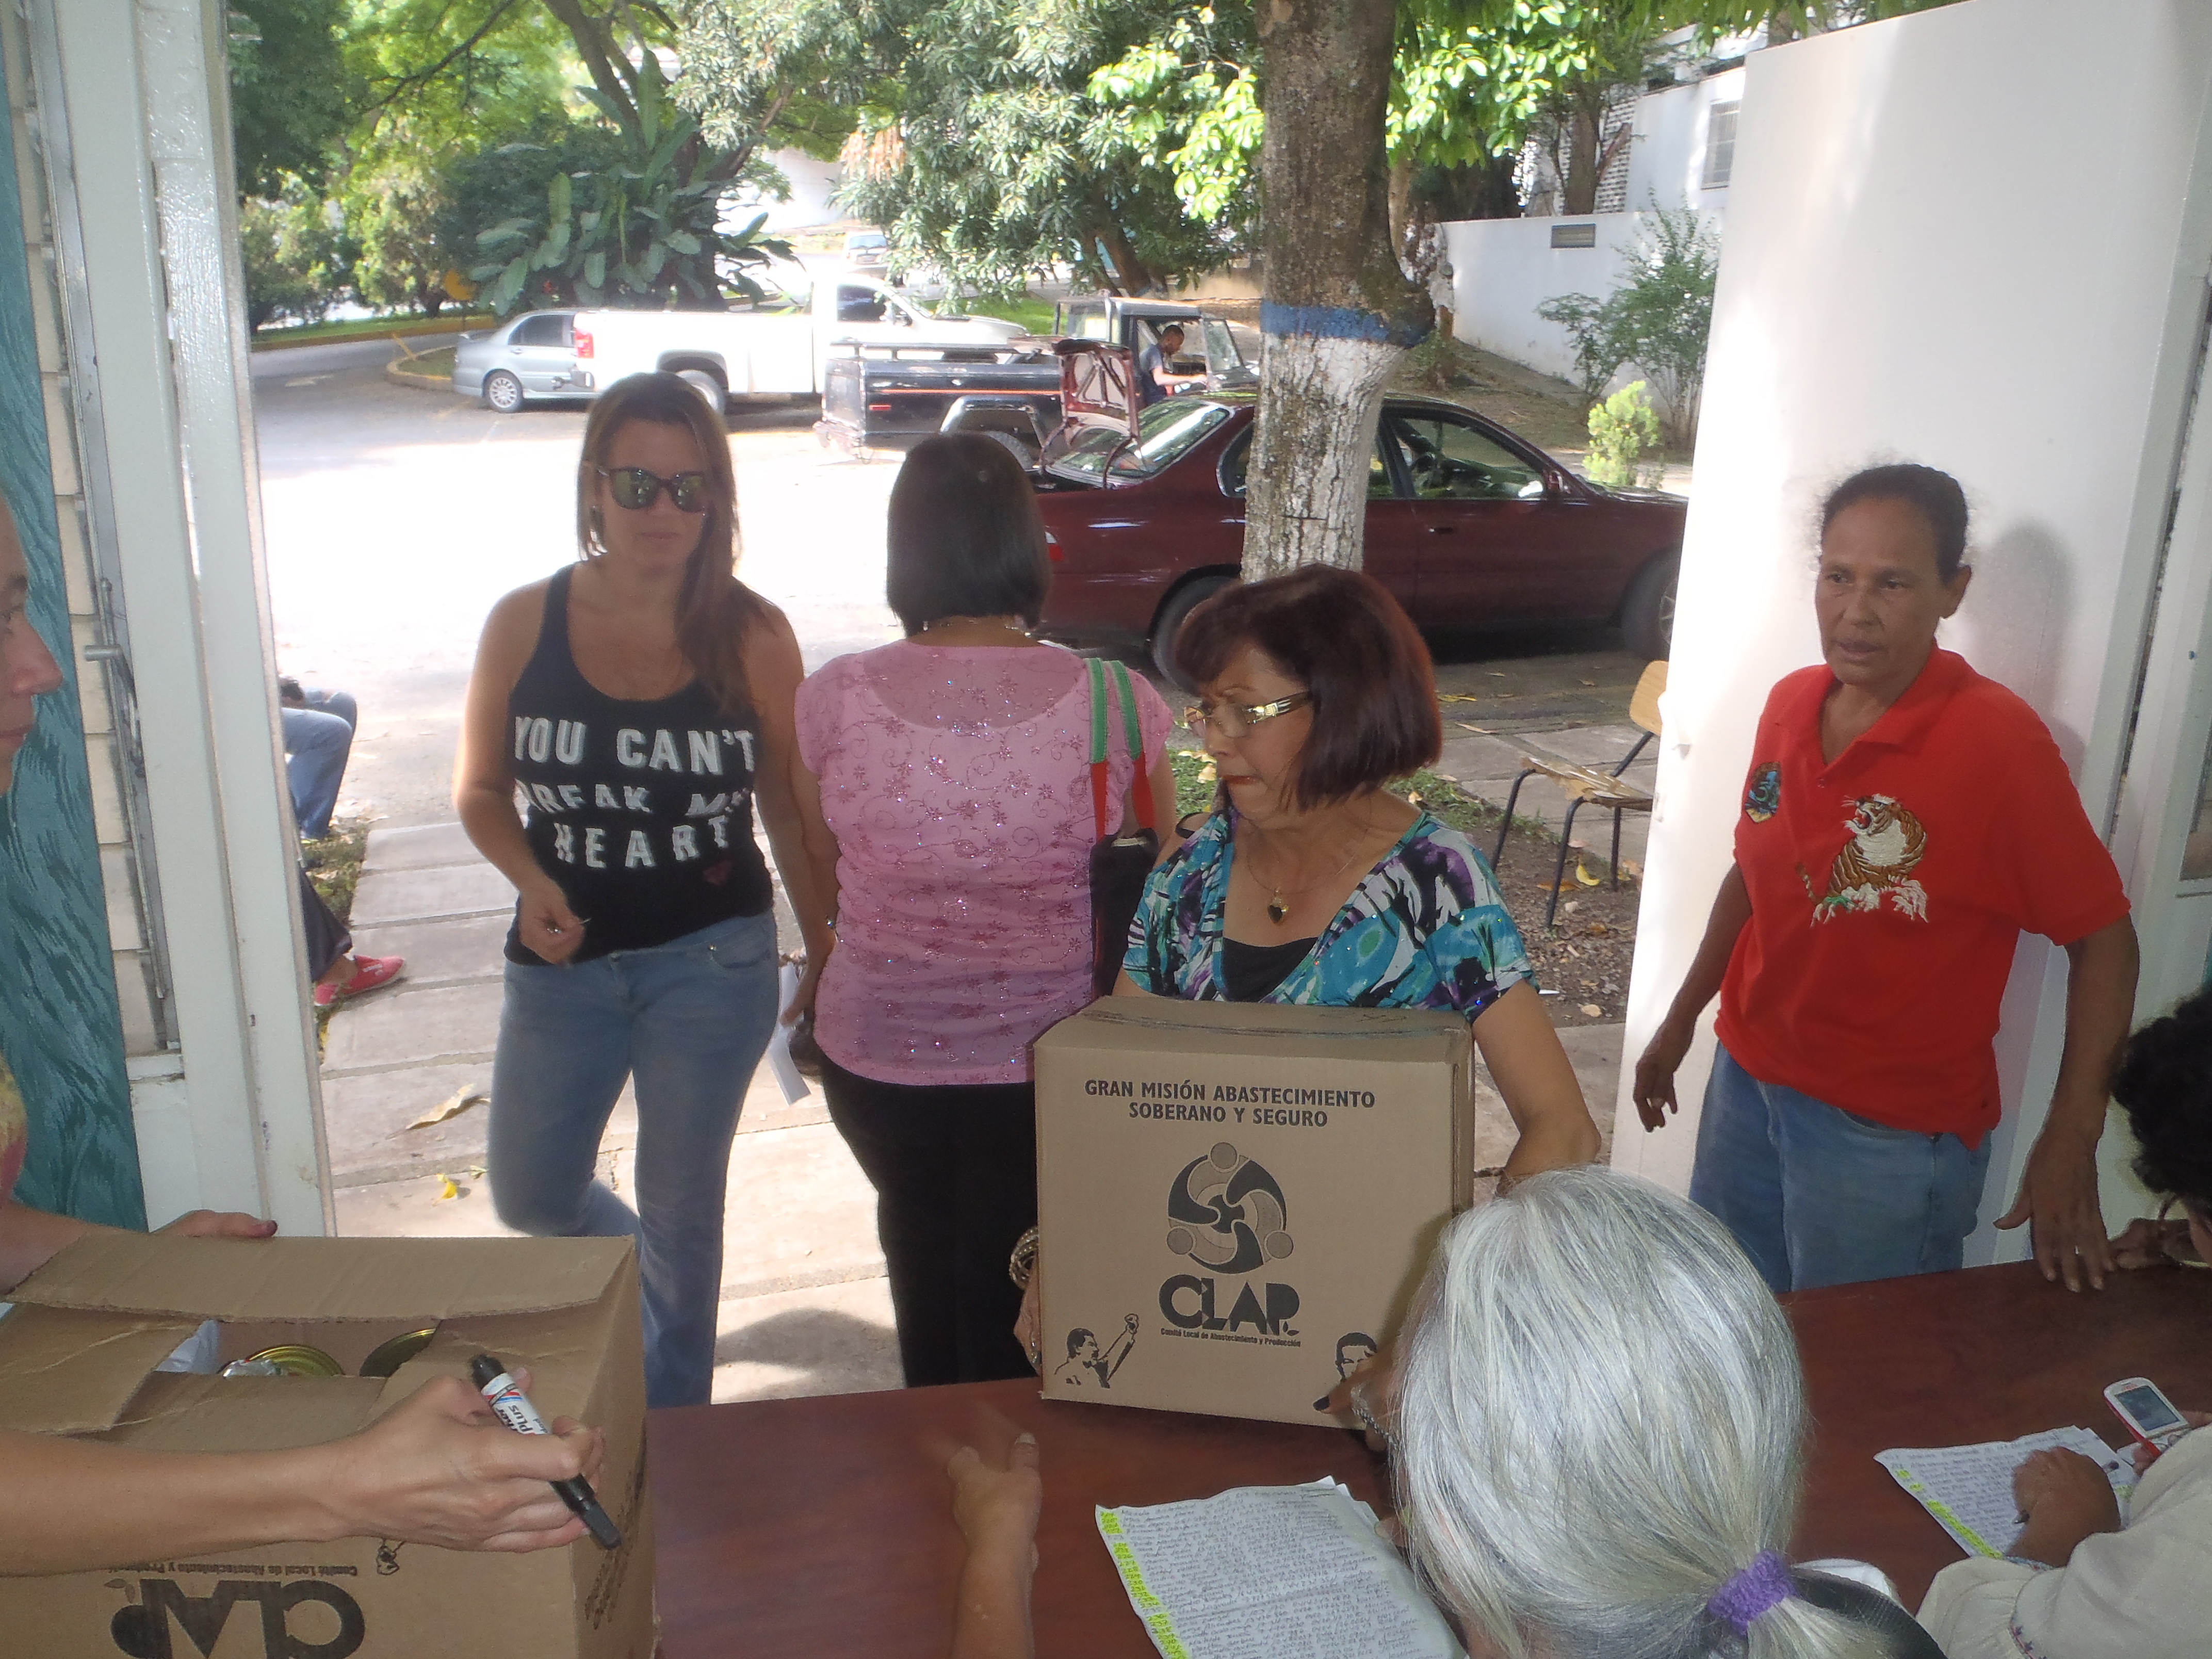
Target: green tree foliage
977	144
295	261
1658	317
639	230
292	96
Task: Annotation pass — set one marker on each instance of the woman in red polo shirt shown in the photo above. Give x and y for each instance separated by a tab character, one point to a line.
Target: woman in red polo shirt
1904	821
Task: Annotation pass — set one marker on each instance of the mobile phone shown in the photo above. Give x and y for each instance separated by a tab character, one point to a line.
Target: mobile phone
2151	1417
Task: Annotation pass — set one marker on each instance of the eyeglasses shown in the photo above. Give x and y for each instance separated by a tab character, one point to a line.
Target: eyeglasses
635	488
1235	720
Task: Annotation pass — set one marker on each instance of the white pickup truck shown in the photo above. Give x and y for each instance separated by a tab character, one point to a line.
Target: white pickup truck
725	354
739	353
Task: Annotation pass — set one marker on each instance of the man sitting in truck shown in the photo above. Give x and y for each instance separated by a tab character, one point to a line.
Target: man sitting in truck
1155	377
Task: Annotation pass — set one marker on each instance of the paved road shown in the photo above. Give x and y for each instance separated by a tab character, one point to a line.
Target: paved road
396	517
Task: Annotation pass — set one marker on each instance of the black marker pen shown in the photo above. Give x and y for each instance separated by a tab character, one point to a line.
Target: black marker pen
512	1407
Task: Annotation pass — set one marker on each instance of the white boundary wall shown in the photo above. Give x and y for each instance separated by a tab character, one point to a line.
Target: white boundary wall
1898	286
1504	269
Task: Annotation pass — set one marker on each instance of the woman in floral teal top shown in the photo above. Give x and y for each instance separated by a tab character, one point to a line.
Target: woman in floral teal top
1425	928
1311	882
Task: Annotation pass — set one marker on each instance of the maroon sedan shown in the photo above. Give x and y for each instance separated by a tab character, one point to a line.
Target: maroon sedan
1468	525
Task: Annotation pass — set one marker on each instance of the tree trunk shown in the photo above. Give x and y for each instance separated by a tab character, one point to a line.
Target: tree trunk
1578	189
1487	191
1337	313
1401	206
1129	271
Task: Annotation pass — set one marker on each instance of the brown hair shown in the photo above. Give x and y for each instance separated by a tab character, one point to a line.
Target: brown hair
714	611
1340	635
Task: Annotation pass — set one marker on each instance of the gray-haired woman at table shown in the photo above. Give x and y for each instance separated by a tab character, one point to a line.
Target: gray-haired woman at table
1599	1435
1600	1432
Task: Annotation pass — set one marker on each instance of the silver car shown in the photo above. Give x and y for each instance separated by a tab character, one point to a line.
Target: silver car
532	356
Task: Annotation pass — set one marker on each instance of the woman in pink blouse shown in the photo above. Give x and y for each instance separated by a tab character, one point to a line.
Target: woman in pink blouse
952	774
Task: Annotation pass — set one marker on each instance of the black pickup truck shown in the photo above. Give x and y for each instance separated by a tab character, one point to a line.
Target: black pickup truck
1014	394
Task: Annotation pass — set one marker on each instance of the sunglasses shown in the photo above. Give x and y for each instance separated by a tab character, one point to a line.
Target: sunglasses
635	488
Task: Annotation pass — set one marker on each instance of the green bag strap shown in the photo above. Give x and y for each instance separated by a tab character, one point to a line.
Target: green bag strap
1098	768
1140	781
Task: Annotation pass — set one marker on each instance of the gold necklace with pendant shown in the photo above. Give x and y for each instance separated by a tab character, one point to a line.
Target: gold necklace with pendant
1277	910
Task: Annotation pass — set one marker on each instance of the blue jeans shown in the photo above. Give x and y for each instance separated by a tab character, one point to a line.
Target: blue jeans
317	741
688	1020
1816	1195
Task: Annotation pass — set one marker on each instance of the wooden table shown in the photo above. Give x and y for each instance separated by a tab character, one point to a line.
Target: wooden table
822	1526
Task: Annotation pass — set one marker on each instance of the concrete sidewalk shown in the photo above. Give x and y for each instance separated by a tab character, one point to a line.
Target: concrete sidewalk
805	1307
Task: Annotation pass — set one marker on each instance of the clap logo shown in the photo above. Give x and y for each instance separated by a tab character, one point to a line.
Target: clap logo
1228	1213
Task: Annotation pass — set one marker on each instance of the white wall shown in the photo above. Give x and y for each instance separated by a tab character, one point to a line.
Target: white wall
1667	157
1504	269
1899	285
812	183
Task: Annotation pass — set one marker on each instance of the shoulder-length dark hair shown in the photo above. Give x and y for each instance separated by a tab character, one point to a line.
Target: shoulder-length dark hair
1342	635
964	537
714	611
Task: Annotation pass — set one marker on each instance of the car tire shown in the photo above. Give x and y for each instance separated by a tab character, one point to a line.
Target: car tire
706	387
1647	615
1185	600
1024	453
502	391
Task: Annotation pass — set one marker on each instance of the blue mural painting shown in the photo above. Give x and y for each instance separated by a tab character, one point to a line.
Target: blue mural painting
60	1026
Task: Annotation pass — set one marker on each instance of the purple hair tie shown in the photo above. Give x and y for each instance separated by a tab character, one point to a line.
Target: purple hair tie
1755	1591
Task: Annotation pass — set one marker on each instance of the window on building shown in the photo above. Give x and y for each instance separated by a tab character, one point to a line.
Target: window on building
1720	145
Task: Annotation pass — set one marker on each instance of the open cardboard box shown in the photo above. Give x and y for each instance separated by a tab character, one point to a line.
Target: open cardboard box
1236	1200
77	1357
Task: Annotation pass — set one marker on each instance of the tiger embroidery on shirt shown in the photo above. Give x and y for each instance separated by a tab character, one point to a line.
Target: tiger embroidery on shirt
1887	843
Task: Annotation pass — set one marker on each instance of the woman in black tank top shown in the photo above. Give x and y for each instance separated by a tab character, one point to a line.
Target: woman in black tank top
623	720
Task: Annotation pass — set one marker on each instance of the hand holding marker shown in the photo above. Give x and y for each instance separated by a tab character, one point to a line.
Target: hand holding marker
512	1407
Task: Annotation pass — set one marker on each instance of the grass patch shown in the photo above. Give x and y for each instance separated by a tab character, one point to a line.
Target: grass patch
438	364
334	864
369	328
1032	313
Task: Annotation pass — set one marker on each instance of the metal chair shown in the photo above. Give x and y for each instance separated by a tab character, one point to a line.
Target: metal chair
1587	786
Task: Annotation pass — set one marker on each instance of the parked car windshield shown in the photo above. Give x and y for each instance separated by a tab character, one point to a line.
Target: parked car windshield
1165	433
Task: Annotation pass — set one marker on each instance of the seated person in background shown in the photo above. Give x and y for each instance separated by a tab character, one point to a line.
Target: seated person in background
438	1468
1598	1438
2075	1584
318	728
1155	375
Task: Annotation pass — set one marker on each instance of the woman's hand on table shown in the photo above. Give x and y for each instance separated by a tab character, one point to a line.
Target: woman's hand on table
2146	1244
2058	1199
2064	1498
996	1506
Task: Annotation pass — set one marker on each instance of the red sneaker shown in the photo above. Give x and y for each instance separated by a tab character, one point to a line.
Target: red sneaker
369	974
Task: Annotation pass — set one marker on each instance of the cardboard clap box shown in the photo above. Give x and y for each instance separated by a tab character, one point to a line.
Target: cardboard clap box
1236	1200
78	1357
